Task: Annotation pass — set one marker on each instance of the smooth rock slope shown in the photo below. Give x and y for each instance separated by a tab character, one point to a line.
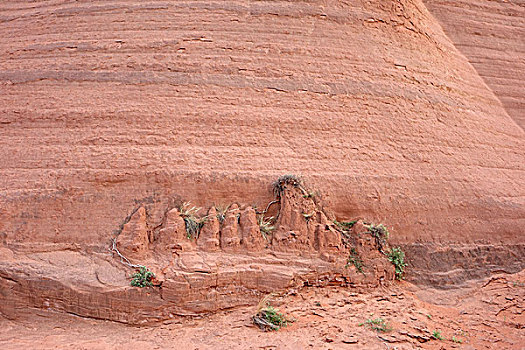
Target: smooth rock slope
491	35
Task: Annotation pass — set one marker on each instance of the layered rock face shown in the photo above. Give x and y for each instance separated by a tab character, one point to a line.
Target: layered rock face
226	262
111	106
490	34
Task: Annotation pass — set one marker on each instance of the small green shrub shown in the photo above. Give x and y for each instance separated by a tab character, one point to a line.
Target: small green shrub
379	231
456	340
345	225
355	259
378	325
437	335
265	225
397	257
270	319
279	184
142	278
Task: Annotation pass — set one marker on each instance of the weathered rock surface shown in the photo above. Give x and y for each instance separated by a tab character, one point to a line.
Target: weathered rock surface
490	34
106	107
192	277
483	315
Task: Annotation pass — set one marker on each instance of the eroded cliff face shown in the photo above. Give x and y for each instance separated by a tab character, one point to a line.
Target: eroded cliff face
106	107
490	34
227	261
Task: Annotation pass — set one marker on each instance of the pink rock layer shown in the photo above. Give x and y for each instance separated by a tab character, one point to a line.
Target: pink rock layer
490	34
110	106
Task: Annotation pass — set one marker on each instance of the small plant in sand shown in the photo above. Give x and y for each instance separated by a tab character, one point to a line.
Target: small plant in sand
191	220
456	340
142	278
269	318
355	259
377	324
397	257
437	335
265	225
280	184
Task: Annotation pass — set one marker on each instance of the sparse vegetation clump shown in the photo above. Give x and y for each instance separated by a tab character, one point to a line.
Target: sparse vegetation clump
221	212
397	257
191	220
381	234
282	181
437	335
345	225
269	318
265	225
456	340
377	324
142	278
355	259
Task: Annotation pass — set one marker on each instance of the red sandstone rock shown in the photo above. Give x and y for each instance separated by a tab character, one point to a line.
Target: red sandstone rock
490	34
252	238
370	100
230	237
133	241
174	229
209	235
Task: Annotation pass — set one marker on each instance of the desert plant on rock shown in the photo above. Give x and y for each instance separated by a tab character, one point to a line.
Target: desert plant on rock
280	184
269	318
397	257
377	324
344	225
437	335
142	278
221	212
355	259
380	233
192	222
456	340
265	225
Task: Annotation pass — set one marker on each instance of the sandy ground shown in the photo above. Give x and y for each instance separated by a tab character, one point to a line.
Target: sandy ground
486	314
